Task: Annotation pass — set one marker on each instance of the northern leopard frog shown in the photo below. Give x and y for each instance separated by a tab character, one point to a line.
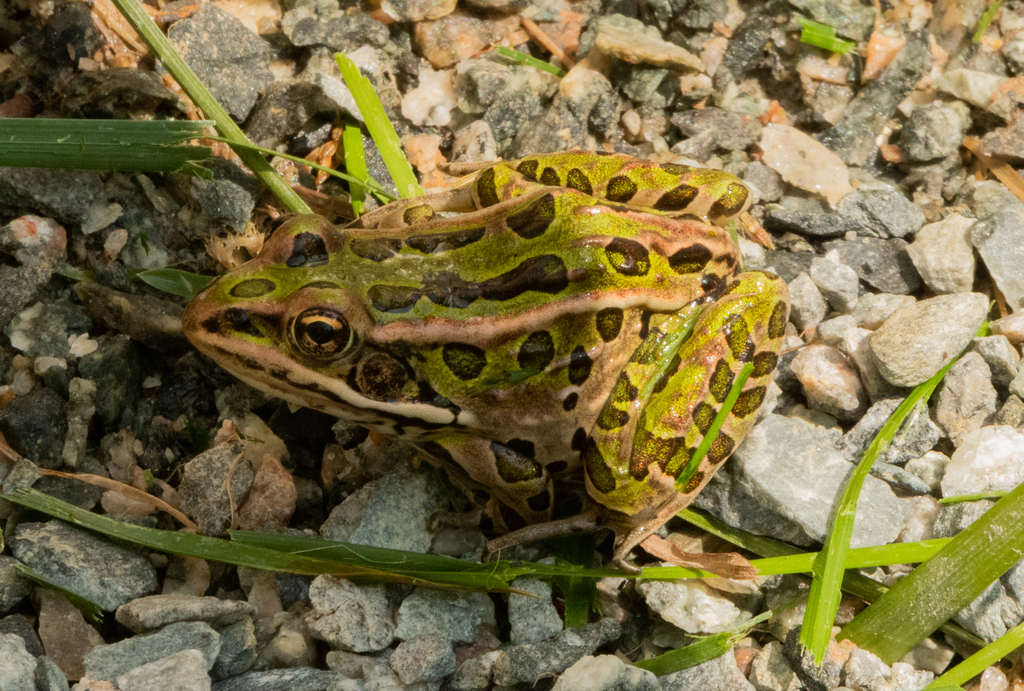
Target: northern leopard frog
584	315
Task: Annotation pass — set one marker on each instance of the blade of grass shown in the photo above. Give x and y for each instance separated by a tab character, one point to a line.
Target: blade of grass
92	611
938	589
175	281
355	163
156	146
823	36
823	601
577	553
199	94
976	664
986	19
705	649
380	127
529	61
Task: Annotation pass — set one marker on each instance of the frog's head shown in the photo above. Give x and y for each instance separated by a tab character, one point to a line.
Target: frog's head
287	321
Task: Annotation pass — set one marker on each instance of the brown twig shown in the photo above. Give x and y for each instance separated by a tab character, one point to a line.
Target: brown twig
547	42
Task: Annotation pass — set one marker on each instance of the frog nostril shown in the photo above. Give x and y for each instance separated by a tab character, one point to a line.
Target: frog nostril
238	318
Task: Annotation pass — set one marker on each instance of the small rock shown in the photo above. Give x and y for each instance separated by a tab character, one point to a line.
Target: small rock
944	256
977	88
988	459
731	131
999	238
155	611
457	36
830	382
35	425
882	264
65	634
83	563
19	625
766	180
1002	358
1012	413
202	491
417	10
915	437
1012	327
805	163
719	673
349	617
813	675
837	282
426	658
930	468
921	524
271	499
238	650
690	605
338	31
864	670
182	670
432	101
932	131
874	308
807	305
108	662
229	59
856	344
966	399
637	43
295	679
605	673
48	676
17	666
474	674
930	656
115	367
526	663
456	616
881	213
770	670
291	643
532	619
14	585
1006	142
832	331
916	341
807	217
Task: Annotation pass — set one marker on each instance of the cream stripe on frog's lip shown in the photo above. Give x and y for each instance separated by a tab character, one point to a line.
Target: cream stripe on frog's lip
280	376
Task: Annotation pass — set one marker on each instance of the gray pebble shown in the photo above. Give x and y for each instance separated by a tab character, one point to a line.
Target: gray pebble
108	662
426	658
533	619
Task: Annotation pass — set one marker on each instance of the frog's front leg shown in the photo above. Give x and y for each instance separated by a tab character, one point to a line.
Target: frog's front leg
521	489
639	461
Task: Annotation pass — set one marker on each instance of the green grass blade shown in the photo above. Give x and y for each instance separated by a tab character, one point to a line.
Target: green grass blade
580	592
823	601
380	127
175	281
823	36
976	664
201	96
355	164
712	434
938	589
986	19
529	61
994	494
156	146
705	649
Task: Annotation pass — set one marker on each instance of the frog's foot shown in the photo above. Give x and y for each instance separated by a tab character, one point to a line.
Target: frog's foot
585	522
726	565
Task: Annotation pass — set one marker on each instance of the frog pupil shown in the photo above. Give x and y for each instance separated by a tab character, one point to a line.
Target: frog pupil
320	332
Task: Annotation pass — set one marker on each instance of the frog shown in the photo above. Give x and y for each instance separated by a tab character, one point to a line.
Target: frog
563	316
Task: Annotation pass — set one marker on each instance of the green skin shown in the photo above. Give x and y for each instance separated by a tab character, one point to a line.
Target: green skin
582	314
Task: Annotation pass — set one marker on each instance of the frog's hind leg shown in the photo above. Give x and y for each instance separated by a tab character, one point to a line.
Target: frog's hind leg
640	461
521	489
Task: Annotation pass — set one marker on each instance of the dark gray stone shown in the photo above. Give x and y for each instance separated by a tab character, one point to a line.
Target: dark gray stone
83	563
881	213
526	663
999	238
295	679
19	625
882	264
48	676
731	131
532	618
229	59
304	26
824	677
14	586
238	650
66	195
931	132
915	437
289	108
426	658
108	662
202	494
720	674
116	369
70	34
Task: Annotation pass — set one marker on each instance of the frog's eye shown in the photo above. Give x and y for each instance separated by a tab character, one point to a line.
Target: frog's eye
322	333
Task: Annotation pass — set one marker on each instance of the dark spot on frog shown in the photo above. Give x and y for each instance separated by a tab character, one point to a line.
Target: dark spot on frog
556	467
677	198
387	298
666	375
540	502
651	450
764	363
528	169
211	325
609	323
578	180
430	397
380	376
442	242
532	221
645	323
239	321
674	464
579	440
620	189
465	361
777	322
628	257
721	381
486	189
512	520
731	202
597	470
570	402
513	466
549	176
579	366
308	250
690	260
693	483
721	447
375	249
748	402
543	274
536	352
737	335
612	418
522	447
252	288
703	415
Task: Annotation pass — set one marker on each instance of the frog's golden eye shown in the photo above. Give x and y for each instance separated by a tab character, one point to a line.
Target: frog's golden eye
322	333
